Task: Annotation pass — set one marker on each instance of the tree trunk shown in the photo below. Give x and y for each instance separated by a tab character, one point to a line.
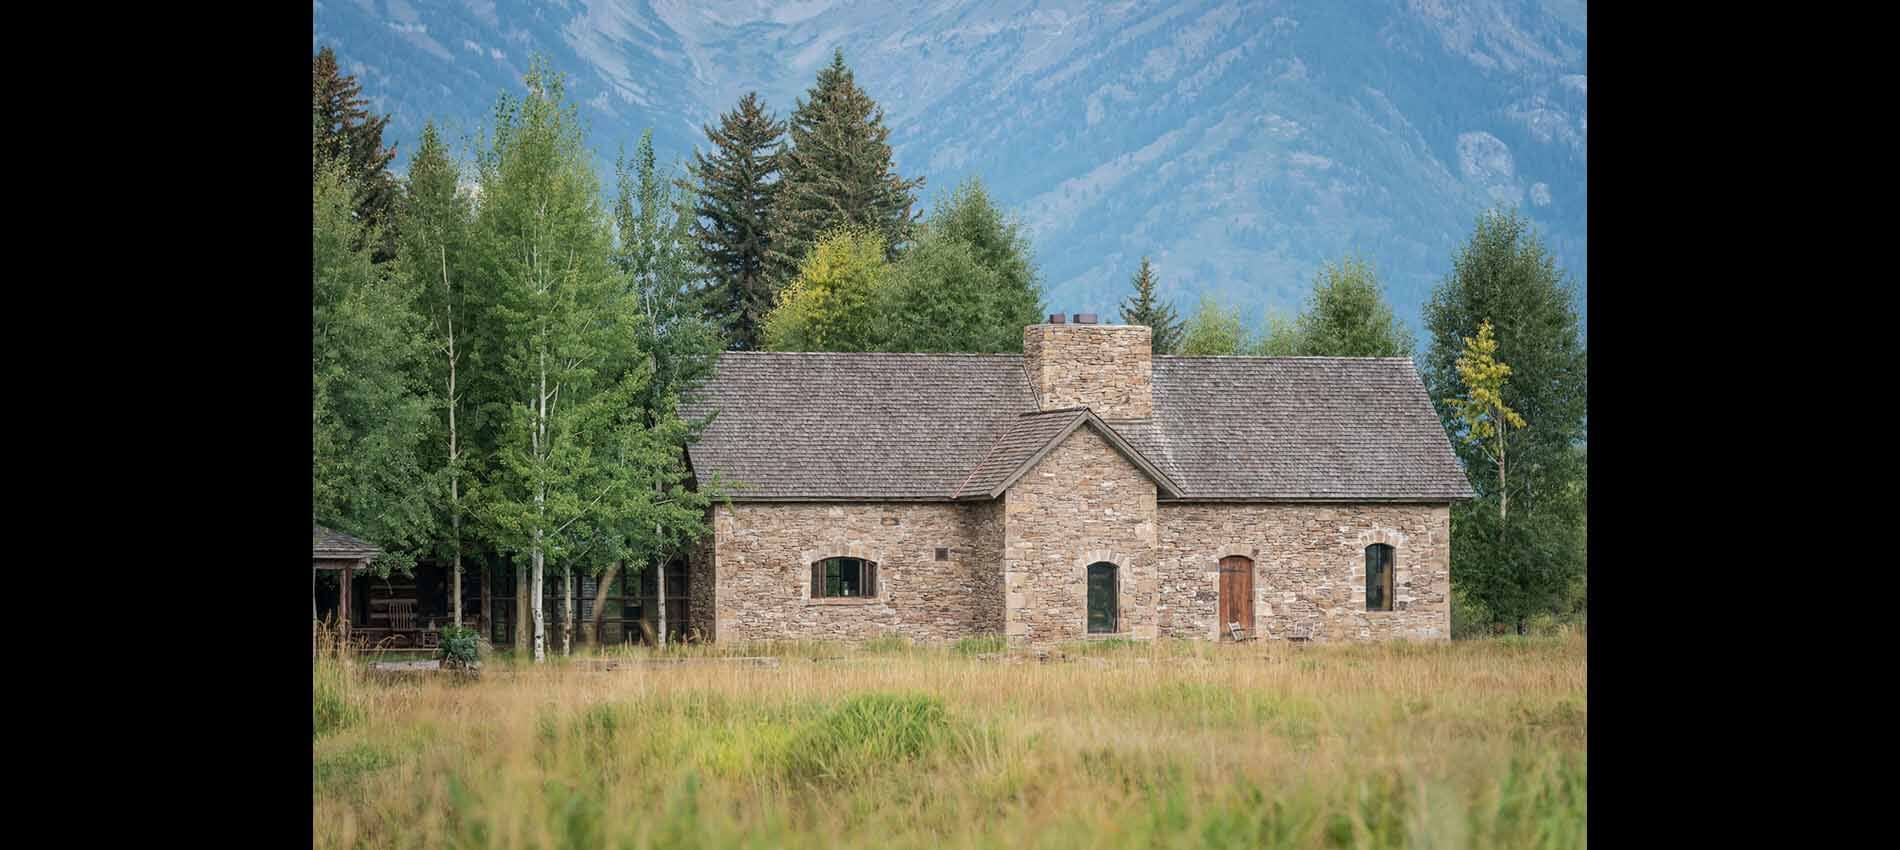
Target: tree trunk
455	482
600	601
488	605
540	604
522	637
567	612
661	579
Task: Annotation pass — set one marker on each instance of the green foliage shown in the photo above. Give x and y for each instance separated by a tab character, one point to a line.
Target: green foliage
1143	308
1344	317
334	704
343	132
461	648
832	304
1214	331
837	174
1482	409
980	645
968	285
867	733
370	409
1533	559
735	189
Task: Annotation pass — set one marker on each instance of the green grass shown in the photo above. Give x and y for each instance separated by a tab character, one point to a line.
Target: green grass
1477	744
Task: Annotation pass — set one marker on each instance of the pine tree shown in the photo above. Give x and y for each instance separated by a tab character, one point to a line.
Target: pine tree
838	173
732	224
342	129
1145	309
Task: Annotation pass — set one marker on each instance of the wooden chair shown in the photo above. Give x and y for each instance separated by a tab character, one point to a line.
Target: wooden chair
1239	634
402	614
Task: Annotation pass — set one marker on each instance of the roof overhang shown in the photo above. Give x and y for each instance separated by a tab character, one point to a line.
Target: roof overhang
1164	484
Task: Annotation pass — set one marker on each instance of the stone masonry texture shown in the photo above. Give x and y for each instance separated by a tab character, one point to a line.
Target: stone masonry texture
1106	368
1082	503
762	560
1309	568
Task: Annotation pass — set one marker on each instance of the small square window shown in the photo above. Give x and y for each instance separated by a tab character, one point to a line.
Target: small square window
943	553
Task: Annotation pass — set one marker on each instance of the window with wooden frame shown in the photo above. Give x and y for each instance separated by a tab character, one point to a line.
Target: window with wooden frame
838	578
1380	566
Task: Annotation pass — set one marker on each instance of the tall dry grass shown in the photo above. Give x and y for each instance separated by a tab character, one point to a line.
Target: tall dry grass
1171	744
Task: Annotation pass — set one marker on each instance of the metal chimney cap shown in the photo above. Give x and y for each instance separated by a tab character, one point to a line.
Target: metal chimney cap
1055	318
1085	318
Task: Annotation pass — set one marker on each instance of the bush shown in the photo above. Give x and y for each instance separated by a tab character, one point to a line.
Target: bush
461	648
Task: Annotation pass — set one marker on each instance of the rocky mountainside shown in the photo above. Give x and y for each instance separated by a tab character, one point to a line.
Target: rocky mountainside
1239	144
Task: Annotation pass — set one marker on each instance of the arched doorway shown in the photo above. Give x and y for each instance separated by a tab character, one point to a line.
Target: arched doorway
1104	599
1236	595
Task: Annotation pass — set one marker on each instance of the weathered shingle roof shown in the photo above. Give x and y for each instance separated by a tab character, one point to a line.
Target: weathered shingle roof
856	426
835	427
337	545
1032	436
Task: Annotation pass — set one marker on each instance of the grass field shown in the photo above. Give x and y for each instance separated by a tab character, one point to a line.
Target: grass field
1171	744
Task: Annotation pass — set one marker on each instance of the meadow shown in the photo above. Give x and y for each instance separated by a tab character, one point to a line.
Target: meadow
1471	743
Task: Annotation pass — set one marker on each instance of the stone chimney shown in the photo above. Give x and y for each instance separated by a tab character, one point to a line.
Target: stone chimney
1106	368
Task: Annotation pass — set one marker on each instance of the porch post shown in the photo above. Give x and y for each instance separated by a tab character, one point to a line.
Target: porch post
349	574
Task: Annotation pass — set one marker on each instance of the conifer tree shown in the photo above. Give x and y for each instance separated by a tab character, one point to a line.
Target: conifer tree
342	129
732	218
1145	309
838	173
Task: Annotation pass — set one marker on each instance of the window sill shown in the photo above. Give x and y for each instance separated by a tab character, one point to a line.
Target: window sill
844	600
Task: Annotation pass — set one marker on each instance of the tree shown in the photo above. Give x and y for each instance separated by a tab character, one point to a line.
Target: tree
369	411
544	242
433	252
968	285
732	218
832	304
838	173
1485	416
343	130
676	347
1345	317
1145	309
1519	562
1212	330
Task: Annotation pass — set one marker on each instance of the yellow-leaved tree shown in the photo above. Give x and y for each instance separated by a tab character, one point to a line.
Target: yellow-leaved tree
1487	418
831	304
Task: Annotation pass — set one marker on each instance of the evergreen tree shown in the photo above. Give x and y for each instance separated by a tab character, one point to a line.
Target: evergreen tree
1345	316
731	228
969	284
343	130
838	173
1517	564
369	410
1145	309
433	253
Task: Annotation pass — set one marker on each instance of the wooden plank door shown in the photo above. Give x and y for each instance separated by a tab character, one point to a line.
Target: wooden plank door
1236	594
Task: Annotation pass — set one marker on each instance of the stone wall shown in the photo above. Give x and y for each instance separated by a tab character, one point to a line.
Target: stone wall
763	555
1309	568
1106	368
1083	503
701	589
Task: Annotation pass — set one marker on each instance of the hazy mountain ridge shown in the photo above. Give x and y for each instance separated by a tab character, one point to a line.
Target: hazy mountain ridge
1237	143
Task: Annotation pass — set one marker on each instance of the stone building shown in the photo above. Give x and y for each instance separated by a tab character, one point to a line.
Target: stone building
1083	488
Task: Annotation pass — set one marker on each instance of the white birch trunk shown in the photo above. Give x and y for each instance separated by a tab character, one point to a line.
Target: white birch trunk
662	583
567	612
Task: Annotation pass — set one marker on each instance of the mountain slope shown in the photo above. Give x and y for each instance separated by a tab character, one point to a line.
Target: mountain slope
1239	144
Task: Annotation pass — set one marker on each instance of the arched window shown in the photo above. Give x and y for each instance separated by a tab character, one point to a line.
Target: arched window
842	577
1380	566
1103	602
